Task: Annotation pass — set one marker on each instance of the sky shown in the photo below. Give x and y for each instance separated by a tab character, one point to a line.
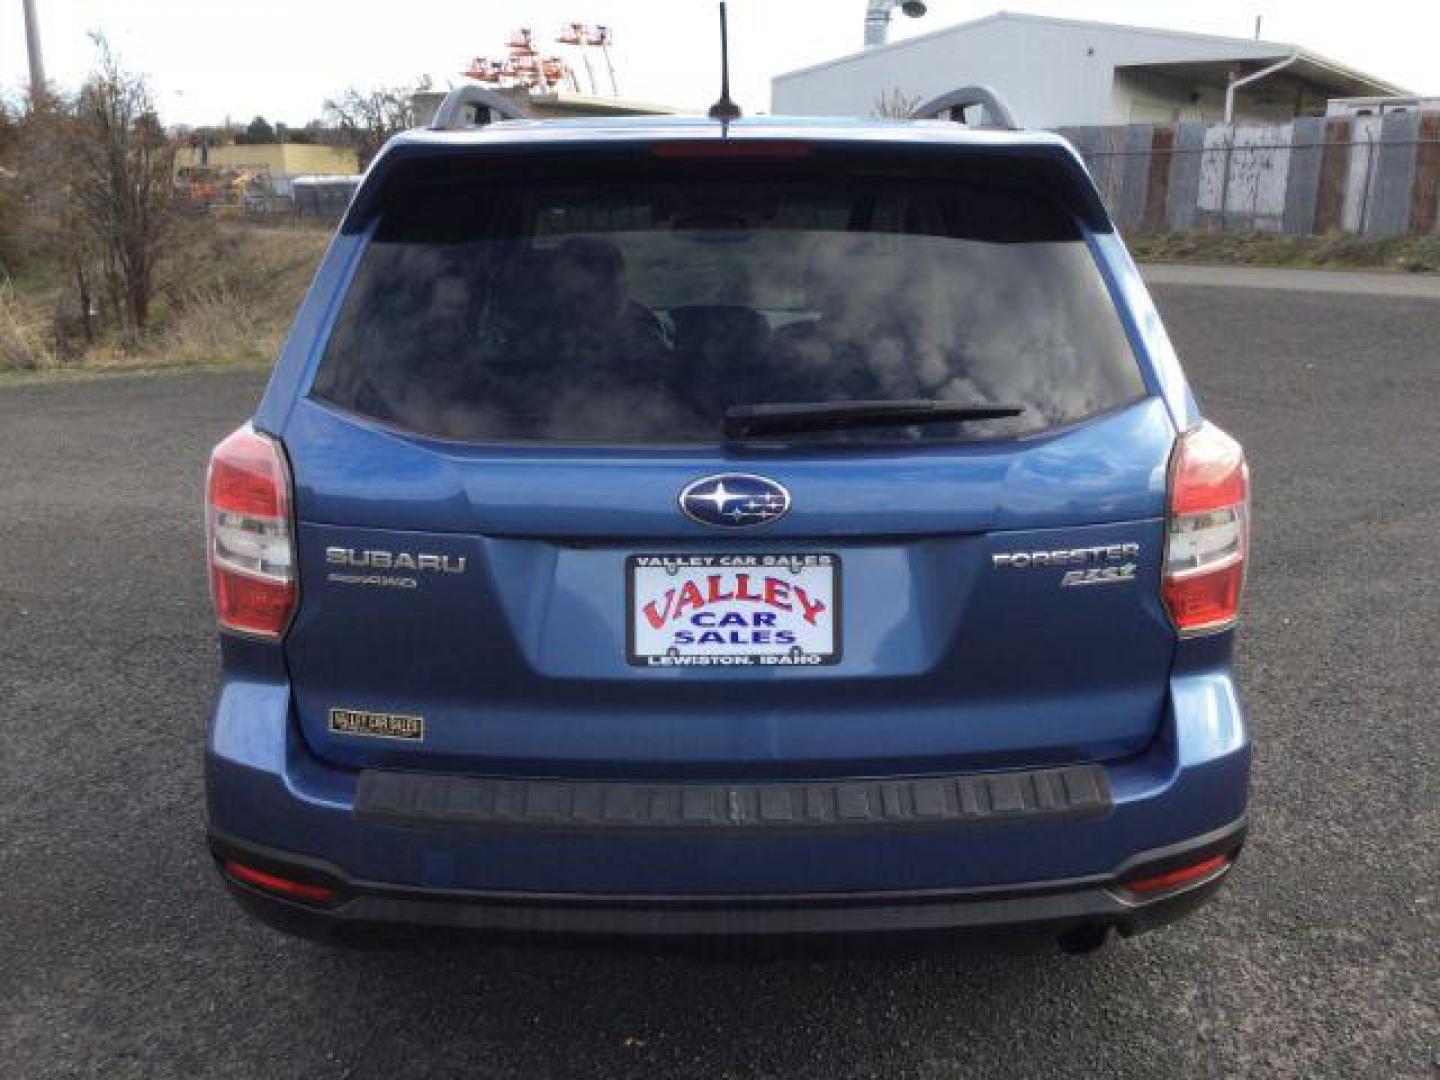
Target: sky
208	60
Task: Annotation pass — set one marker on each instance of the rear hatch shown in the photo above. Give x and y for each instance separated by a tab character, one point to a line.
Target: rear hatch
681	463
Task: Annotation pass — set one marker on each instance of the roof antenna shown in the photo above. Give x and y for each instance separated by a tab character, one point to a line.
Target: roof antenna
724	110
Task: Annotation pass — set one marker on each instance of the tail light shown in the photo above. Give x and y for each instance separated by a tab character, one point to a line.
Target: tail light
249	533
1208	531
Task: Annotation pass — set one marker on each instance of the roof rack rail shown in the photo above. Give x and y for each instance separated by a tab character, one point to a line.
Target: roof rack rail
488	106
952	106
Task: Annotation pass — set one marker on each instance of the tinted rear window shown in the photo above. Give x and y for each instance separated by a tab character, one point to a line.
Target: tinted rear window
638	309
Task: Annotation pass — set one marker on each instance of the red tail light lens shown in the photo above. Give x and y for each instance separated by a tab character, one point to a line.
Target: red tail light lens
248	530
1208	531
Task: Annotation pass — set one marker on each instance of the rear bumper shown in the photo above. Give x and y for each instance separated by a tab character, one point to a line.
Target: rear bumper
397	857
1049	907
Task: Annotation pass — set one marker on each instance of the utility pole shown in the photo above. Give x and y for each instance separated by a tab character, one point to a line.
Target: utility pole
32	45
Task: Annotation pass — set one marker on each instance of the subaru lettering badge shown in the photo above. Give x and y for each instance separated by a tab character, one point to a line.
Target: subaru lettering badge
734	500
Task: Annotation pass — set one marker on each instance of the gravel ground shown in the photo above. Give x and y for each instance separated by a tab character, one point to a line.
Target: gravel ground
120	956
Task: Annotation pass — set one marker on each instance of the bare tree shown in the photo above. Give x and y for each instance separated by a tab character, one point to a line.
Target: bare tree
122	184
56	229
895	104
367	118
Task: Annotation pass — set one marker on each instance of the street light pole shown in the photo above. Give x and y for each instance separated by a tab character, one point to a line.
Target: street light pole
32	45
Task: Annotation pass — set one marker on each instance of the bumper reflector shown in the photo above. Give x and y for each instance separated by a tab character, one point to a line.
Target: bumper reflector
272	883
1173	879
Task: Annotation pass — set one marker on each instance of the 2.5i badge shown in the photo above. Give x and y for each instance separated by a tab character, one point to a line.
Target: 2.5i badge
377	725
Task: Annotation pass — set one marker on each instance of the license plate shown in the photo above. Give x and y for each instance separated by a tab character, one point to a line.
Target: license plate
733	610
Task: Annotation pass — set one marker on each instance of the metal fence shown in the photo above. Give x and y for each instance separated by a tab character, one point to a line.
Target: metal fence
322	198
1366	175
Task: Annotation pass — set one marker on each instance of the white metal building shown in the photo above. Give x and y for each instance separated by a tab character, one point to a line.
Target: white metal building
1382	106
1067	72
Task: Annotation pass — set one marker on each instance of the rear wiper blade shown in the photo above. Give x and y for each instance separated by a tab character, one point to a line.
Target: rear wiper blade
789	418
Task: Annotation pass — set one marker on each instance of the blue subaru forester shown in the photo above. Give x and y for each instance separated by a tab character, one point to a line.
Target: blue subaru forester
675	527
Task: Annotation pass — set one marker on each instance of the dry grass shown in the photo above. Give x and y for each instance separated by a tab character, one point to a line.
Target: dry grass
25	338
236	307
1339	251
229	294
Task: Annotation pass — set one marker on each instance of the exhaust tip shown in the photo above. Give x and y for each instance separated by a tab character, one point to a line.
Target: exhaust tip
1084	940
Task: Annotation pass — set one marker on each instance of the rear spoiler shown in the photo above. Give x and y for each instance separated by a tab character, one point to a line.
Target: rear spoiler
415	161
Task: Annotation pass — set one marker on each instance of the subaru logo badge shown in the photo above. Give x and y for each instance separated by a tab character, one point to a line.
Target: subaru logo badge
734	500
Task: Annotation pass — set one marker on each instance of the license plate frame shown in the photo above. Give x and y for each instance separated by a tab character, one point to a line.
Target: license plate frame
807	577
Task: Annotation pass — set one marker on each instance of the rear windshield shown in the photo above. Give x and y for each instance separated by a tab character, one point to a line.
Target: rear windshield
640	310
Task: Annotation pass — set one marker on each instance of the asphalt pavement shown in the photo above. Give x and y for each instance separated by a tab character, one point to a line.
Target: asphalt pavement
1286	279
120	955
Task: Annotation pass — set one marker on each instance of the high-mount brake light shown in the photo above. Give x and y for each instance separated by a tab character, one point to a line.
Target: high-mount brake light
1207	531
251	548
731	149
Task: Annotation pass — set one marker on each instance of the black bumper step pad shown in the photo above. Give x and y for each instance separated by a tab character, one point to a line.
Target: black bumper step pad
1023	797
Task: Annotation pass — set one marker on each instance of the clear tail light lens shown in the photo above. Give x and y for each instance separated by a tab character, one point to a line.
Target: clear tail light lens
250	536
1207	531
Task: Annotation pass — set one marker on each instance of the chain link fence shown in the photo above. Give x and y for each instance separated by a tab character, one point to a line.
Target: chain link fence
1371	176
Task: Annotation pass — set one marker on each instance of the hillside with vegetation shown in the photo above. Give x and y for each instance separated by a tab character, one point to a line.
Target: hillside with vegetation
101	268
226	295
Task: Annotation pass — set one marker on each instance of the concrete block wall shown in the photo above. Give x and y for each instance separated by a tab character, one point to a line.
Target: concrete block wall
1373	175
